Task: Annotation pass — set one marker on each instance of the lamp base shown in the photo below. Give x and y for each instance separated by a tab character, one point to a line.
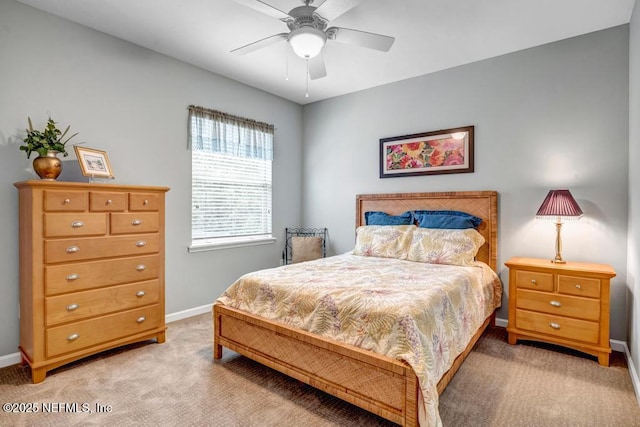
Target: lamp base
558	261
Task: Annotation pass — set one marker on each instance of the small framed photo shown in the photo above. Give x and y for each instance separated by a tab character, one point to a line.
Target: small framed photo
428	153
93	163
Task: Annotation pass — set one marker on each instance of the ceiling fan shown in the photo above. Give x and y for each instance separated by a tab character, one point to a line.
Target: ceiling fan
309	33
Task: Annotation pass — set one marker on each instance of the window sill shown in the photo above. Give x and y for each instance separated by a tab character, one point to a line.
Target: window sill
216	244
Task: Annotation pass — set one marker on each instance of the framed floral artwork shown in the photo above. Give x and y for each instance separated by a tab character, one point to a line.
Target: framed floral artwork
93	163
428	153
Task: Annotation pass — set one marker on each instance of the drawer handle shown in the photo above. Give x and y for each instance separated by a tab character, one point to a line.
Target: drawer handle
141	267
77	224
108	202
141	319
73	337
140	243
66	201
554	325
72	307
136	222
140	294
555	303
534	282
578	286
145	203
72	249
73	276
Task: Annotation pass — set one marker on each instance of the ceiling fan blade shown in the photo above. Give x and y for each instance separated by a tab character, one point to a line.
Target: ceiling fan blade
265	8
331	9
361	38
260	44
317	69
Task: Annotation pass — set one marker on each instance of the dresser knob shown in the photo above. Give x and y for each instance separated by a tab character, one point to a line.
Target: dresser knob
73	276
77	224
136	222
140	243
140	294
72	249
534	282
141	267
141	319
578	286
146	202
66	201
72	307
108	202
556	303
554	325
73	337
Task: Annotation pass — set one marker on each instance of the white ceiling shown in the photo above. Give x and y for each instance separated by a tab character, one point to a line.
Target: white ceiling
431	35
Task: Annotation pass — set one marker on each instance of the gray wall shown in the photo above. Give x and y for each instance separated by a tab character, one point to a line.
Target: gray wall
132	103
633	257
554	116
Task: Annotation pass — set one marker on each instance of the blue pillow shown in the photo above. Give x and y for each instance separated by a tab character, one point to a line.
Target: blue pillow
382	218
446	219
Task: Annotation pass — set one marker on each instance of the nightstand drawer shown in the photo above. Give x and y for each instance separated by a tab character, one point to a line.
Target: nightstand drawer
534	280
564	327
581	286
561	305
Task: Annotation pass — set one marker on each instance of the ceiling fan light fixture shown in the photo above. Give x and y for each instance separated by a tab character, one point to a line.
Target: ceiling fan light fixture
307	42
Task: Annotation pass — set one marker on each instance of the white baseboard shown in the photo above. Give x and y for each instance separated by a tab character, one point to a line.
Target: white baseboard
14	358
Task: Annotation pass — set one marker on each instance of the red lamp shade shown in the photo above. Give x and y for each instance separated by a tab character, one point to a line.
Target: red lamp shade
559	203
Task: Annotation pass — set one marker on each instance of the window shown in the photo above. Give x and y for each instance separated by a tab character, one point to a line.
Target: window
231	186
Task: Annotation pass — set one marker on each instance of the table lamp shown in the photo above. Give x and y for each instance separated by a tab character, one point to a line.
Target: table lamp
559	205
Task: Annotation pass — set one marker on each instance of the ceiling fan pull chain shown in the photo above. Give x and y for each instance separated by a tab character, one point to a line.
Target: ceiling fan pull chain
306	95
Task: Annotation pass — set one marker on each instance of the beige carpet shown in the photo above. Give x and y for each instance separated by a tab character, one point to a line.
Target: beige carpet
176	383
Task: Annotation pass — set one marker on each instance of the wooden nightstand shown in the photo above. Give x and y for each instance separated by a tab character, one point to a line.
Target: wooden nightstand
565	304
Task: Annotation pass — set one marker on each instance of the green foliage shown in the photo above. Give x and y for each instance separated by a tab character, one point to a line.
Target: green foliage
51	138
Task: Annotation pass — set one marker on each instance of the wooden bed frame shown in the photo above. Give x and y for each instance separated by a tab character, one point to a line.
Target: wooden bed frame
376	383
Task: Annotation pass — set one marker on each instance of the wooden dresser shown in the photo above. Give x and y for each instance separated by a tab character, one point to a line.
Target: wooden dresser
91	270
565	304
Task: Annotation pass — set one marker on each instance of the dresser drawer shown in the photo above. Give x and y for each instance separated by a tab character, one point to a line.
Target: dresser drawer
131	223
581	286
75	224
103	201
81	305
563	327
63	278
86	333
144	202
534	280
561	305
66	250
64	201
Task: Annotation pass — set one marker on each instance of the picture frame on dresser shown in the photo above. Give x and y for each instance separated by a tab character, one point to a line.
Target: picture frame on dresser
94	163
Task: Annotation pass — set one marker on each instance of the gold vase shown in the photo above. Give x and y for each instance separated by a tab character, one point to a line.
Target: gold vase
49	166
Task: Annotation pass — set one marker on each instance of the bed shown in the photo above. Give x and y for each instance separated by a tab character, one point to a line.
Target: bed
380	384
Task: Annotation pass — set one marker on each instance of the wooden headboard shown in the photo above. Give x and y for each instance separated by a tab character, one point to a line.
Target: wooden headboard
483	204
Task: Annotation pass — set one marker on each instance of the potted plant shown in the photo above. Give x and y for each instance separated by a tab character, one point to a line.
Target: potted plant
47	143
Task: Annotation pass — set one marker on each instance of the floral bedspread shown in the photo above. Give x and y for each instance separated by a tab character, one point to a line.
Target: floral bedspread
424	314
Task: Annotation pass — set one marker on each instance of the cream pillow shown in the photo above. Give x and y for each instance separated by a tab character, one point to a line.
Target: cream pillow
305	248
383	241
445	246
